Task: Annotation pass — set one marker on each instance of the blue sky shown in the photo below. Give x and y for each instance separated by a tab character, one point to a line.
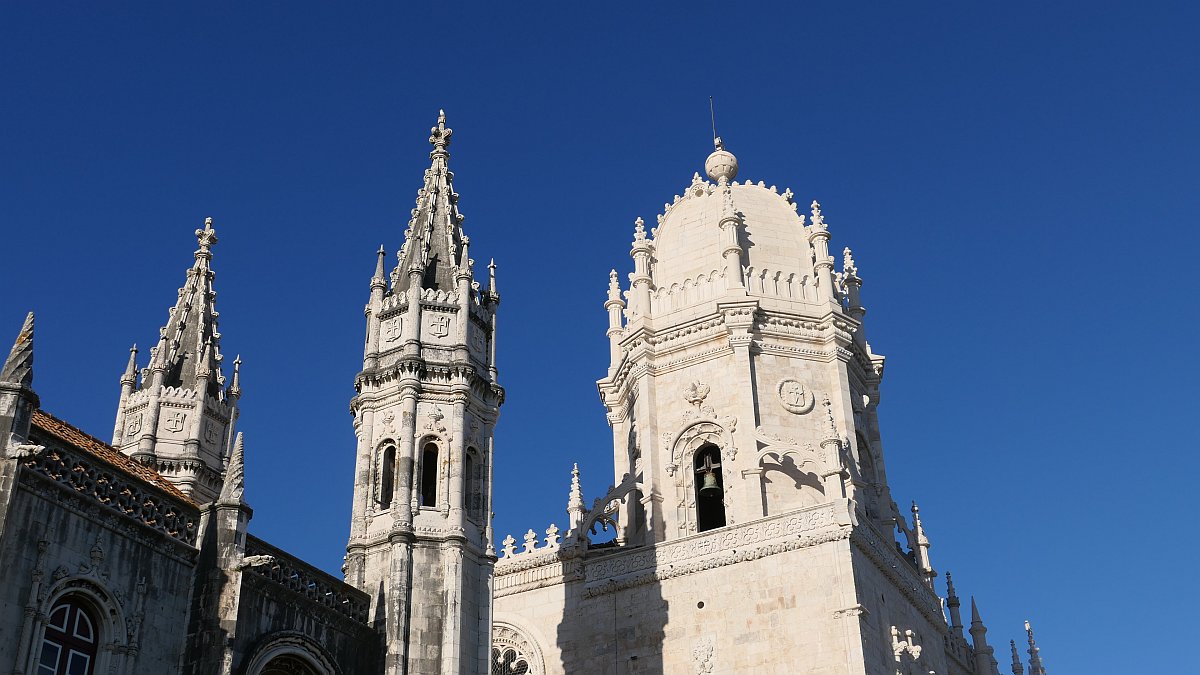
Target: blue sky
1018	182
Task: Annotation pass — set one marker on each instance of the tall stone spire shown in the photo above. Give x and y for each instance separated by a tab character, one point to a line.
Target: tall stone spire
985	661
234	488
427	404
434	240
576	509
17	398
179	417
953	603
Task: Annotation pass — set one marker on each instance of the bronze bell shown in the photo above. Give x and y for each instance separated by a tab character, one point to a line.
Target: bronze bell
710	488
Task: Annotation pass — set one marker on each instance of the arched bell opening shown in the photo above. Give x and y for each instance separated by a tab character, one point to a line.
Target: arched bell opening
429	475
710	488
387	477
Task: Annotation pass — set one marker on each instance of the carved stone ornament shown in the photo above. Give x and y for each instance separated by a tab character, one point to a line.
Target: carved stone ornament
175	422
134	426
795	397
696	392
210	432
439	326
392	329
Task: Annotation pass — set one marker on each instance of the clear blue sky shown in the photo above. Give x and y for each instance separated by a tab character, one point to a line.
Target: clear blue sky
1018	181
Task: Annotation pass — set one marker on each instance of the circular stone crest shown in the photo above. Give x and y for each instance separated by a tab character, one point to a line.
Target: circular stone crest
795	397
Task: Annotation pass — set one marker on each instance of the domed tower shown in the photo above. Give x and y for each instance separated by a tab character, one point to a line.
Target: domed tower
427	402
740	385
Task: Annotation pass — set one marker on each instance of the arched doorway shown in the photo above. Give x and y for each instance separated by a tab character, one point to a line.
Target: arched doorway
289	664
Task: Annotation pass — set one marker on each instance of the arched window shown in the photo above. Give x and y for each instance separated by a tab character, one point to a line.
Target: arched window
387	477
69	645
429	475
508	662
710	489
473	485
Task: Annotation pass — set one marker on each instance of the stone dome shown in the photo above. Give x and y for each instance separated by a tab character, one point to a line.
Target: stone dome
688	239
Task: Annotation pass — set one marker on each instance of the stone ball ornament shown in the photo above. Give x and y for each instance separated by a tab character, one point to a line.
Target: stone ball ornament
721	163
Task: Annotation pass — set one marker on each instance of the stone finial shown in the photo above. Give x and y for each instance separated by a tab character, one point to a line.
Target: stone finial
18	367
130	375
235	387
831	428
207	237
234	487
531	540
508	546
439	136
492	276
576	509
721	166
552	535
848	266
639	229
818	220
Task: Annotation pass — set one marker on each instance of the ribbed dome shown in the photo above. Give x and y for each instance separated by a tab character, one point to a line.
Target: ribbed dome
688	240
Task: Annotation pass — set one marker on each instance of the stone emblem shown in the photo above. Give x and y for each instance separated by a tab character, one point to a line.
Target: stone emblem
795	397
210	432
175	422
392	329
439	326
134	426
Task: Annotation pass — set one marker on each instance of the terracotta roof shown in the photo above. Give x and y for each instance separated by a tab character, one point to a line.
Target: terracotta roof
73	436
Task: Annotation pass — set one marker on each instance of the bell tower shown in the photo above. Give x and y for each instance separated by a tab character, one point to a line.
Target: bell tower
177	415
740	383
426	405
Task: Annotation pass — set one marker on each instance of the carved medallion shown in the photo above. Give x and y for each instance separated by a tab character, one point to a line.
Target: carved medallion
210	432
795	397
175	422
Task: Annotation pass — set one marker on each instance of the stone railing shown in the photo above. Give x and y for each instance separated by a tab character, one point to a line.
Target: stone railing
690	292
115	491
270	563
778	284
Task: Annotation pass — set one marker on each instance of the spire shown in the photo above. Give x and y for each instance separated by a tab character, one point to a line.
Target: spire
953	603
923	560
985	662
18	367
575	506
130	374
380	278
1035	658
1017	668
190	343
433	242
234	487
235	387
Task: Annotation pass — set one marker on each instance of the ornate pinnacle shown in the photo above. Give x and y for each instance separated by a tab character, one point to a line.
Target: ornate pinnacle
439	136
234	487
18	367
575	505
130	375
235	387
639	229
1017	668
830	422
1035	658
848	266
381	256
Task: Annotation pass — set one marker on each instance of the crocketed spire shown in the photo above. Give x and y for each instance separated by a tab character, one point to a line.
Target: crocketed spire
189	348
18	367
234	486
434	242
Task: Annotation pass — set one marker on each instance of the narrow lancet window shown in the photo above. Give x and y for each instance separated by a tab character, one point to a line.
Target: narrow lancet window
710	489
387	477
429	475
473	484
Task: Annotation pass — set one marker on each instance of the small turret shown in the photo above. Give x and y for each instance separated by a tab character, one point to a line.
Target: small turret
615	305
17	398
819	239
832	475
953	603
641	284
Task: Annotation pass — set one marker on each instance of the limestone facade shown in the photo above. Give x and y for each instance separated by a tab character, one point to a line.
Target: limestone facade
749	528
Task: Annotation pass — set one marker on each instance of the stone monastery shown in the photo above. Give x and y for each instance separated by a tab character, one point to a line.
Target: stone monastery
750	528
